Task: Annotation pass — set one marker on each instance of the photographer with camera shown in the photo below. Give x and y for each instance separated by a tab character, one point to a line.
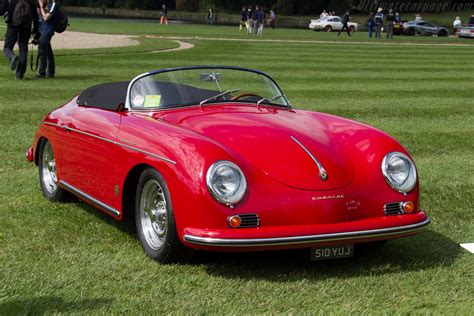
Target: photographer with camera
49	11
19	15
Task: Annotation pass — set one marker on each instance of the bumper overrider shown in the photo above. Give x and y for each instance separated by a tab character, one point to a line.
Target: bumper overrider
354	236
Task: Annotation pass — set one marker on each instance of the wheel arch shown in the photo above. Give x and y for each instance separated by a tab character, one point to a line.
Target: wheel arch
129	190
37	147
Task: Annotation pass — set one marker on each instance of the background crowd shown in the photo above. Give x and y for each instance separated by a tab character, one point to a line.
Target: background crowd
26	19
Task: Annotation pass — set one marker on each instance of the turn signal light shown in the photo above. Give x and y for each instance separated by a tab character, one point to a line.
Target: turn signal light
234	221
408	207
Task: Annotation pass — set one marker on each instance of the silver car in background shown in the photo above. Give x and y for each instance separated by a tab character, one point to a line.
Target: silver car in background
466	31
424	28
331	23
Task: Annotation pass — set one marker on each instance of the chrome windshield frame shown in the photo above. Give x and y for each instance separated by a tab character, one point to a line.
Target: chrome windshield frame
128	105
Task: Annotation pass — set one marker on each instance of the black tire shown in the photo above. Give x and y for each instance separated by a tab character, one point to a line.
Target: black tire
47	173
167	248
328	28
442	33
410	32
352	28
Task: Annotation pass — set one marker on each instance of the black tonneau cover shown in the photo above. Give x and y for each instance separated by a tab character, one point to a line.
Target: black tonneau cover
111	96
107	96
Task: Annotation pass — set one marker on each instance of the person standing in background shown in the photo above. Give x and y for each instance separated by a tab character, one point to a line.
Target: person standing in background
470	22
164	14
371	22
272	19
398	18
457	24
18	31
249	20
258	20
390	23
49	11
210	17
378	23
324	14
243	18
418	17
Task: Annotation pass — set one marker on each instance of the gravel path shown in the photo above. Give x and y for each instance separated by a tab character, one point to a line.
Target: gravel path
76	40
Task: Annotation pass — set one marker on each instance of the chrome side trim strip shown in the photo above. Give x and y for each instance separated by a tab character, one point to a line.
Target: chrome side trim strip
89	198
112	142
322	172
295	240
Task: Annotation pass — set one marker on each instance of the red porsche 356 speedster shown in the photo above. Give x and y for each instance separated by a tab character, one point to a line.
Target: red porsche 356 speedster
215	158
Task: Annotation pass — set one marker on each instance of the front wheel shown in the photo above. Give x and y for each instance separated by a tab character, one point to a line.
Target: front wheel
328	28
47	173
352	28
410	32
154	220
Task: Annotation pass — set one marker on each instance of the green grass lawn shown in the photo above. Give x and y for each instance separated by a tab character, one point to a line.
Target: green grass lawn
191	30
71	258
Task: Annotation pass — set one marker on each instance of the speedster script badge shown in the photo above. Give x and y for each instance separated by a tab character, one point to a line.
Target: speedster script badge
328	197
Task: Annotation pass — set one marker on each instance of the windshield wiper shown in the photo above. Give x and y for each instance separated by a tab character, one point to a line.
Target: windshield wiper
271	100
218	96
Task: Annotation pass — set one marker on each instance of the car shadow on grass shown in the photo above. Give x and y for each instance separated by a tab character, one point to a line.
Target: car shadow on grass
418	253
50	304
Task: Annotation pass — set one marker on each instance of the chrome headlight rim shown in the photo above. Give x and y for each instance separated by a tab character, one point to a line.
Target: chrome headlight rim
409	183
239	194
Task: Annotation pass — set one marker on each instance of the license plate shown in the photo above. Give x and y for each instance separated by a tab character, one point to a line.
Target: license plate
332	252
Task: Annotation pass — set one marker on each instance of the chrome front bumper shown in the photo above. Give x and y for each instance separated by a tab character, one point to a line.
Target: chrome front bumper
309	239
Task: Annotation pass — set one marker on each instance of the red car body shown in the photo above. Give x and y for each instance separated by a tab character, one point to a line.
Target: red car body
99	153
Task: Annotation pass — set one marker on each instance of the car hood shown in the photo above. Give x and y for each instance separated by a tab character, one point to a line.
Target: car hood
283	143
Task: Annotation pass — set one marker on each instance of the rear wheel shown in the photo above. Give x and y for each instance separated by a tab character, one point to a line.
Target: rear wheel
328	28
154	220
351	28
443	33
47	173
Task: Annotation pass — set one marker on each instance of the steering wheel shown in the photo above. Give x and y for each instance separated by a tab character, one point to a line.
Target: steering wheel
243	95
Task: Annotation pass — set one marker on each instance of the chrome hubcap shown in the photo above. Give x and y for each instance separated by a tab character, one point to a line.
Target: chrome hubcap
48	169
154	218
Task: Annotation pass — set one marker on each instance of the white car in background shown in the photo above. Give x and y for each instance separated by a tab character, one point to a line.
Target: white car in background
331	23
466	31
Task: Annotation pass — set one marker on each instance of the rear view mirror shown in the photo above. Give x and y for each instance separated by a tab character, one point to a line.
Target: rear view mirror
210	77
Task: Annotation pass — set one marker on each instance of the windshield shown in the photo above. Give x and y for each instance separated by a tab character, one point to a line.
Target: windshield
200	86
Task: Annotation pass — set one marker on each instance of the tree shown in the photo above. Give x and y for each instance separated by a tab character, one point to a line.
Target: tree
340	5
187	5
285	7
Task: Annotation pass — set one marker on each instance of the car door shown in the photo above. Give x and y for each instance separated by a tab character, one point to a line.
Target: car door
89	153
425	28
431	28
337	24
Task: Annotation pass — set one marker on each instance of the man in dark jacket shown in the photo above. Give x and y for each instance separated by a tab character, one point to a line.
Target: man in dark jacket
49	13
19	15
390	23
371	23
345	19
470	21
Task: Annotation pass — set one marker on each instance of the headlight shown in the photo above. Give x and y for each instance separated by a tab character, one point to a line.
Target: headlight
399	171
226	182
